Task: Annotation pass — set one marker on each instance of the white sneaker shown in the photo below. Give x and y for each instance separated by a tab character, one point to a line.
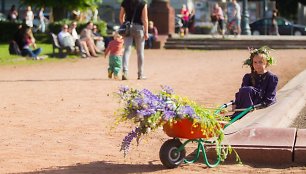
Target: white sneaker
40	57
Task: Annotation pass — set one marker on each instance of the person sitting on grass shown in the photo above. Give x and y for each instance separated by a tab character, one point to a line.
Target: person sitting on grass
259	86
28	42
114	49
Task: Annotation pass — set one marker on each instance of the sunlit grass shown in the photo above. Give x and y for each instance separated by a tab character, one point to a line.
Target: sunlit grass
7	59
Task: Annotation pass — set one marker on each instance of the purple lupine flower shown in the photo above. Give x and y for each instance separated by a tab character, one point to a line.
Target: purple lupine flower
180	112
170	106
168	115
146	92
125	145
146	113
123	89
189	111
167	89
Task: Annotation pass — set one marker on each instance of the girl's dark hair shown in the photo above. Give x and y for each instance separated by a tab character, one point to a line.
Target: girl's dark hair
264	51
253	73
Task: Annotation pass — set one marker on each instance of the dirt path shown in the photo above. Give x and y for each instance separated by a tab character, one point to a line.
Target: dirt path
56	117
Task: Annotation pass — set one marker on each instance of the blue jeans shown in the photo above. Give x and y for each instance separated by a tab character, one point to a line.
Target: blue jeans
150	41
43	26
137	35
31	53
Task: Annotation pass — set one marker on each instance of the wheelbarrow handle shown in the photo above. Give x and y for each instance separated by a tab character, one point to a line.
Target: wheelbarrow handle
253	107
228	104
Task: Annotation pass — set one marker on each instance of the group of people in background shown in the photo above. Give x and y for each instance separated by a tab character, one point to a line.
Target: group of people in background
24	42
233	23
28	17
86	41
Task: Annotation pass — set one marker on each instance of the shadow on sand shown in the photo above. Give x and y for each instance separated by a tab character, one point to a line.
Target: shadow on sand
101	167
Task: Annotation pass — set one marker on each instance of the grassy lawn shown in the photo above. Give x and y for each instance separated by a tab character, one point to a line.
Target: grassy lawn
7	59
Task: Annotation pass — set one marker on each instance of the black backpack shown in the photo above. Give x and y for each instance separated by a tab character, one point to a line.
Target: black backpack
14	48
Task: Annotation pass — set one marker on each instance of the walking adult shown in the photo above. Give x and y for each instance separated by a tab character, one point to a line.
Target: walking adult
185	20
136	12
274	29
218	18
237	15
42	19
29	17
13	14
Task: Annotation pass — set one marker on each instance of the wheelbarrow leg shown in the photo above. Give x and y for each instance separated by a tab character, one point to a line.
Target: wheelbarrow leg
201	146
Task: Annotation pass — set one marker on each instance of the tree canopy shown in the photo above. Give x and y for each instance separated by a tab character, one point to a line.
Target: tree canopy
287	8
68	4
60	7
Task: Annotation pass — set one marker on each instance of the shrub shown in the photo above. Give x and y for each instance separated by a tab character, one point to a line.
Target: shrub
8	30
202	29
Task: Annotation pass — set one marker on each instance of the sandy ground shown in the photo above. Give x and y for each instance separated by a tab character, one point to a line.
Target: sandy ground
57	117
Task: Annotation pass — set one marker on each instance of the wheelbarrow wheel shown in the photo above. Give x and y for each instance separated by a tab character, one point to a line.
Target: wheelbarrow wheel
169	154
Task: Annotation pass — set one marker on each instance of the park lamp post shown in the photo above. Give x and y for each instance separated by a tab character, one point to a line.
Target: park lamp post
245	27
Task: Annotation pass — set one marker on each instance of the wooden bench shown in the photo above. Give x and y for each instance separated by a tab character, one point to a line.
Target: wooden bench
56	45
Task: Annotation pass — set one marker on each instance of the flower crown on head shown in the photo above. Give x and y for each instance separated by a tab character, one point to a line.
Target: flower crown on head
262	50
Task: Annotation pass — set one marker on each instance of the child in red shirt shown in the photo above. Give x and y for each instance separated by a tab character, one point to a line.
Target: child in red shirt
114	49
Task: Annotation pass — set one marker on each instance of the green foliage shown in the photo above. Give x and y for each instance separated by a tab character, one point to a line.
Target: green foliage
302	2
288	9
202	29
43	37
68	4
7	59
7	30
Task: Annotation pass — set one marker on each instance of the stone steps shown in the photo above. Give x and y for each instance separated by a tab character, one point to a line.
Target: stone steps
242	42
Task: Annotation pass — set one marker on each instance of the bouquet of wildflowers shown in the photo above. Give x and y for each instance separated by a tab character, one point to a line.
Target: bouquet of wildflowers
149	111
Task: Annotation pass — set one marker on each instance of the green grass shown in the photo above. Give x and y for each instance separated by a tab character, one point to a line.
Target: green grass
7	59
